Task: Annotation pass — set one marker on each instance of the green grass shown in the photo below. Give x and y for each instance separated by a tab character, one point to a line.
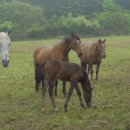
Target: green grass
20	105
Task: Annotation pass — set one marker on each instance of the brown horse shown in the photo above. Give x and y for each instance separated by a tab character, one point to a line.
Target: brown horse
93	54
58	52
53	70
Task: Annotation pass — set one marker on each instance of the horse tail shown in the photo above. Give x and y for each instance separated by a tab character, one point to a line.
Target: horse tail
38	76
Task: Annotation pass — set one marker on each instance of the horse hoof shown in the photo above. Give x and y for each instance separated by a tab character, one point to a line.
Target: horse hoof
65	110
42	109
83	106
94	107
55	109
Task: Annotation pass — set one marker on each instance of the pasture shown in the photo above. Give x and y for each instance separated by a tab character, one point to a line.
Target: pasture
20	106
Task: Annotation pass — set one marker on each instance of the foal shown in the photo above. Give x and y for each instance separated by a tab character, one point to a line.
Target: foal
93	54
58	52
53	70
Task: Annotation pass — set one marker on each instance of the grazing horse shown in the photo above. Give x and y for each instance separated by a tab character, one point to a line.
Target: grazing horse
5	44
58	52
93	54
53	70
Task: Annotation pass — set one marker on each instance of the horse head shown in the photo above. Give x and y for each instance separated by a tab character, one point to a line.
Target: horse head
5	44
88	94
74	44
101	47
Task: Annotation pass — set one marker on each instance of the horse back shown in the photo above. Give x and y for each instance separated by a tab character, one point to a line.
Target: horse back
41	54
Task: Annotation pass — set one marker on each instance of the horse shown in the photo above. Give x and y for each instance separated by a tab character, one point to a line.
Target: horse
57	52
74	73
93	54
5	43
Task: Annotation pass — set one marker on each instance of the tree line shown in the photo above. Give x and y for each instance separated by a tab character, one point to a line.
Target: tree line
47	18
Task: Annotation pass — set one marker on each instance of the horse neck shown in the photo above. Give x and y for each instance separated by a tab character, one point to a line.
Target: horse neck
85	81
97	53
63	48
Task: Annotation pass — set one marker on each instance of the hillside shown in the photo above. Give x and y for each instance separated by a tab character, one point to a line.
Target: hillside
47	18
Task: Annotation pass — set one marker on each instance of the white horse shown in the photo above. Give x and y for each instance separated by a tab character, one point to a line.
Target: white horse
5	44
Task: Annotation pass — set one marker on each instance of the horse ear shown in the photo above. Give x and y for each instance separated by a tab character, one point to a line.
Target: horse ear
104	40
9	32
99	40
72	34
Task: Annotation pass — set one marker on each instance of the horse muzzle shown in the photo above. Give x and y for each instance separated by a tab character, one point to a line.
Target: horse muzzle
5	63
104	56
80	54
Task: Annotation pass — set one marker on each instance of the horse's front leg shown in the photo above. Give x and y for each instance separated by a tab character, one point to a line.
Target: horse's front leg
90	71
68	97
97	70
64	88
50	90
84	65
79	94
44	89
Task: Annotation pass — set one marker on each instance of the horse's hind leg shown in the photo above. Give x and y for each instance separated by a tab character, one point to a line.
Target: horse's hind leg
68	97
44	89
55	91
51	87
79	94
38	77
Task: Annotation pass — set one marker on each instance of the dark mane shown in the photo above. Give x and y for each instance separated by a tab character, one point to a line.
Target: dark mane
66	39
74	36
77	37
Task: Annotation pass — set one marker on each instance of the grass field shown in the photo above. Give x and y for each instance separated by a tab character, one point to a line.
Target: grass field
20	105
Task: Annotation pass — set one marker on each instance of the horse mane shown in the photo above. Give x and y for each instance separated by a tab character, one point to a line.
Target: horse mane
66	39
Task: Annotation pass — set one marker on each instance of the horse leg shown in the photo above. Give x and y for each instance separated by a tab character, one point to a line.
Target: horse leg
55	91
84	65
68	97
38	77
79	94
97	70
44	89
92	72
51	87
64	88
89	71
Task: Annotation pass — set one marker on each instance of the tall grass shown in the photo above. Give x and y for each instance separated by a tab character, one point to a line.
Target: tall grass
20	105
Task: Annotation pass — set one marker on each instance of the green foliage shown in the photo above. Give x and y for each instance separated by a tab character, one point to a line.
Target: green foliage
110	5
115	22
6	25
22	15
77	24
44	18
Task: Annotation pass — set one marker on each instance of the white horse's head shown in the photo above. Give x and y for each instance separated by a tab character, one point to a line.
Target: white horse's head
5	44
